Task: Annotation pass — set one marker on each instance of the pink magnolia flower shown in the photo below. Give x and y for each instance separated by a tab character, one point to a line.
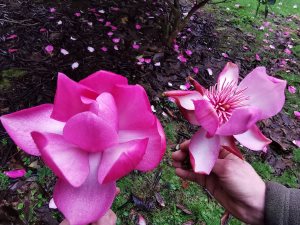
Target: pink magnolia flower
90	137
228	111
15	173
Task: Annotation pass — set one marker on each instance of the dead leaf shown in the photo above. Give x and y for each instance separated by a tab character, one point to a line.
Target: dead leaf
190	222
184	209
225	218
160	199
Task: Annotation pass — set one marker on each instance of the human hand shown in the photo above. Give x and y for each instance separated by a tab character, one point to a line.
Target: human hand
109	218
233	183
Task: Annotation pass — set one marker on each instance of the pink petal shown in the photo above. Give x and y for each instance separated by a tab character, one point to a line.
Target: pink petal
90	132
43	30
116	40
287	51
113	28
12	50
225	55
292	89
67	102
103	81
176	48
15	173
197	86
136	113
206	116
253	139
104	49
87	203
297	143
297	114
229	75
148	61
196	70
189	52
52	10
240	121
78	14
20	124
121	159
107	24
138	26
135	46
105	106
12	36
66	160
257	57
265	92
182	58
204	152
185	98
49	49
227	142
156	146
64	51
110	33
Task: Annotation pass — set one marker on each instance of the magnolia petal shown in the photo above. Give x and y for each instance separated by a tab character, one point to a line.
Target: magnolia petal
20	124
105	106
240	121
189	115
204	152
197	86
90	132
103	81
156	144
87	203
15	173
67	102
121	159
133	106
187	101
253	139
206	116
265	92
230	74
227	142
65	160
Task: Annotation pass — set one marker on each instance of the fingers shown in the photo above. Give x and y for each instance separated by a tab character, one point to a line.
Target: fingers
118	191
181	154
109	218
64	222
184	146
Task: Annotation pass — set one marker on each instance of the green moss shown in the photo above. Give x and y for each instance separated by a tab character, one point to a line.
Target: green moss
170	132
288	178
263	169
4	182
296	155
6	76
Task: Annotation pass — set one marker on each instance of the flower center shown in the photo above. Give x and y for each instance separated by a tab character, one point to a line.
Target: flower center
225	99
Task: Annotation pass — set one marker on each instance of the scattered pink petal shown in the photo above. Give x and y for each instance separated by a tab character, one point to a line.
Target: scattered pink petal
64	51
114	28
225	55
261	28
183	87
188	85
153	108
92	10
90	49
170	84
101	20
148	61
52	204
188	52
136	46
116	47
12	36
189	30
141	60
176	48
138	26
196	69
73	39
267	35
257	57
271	30
266	24
75	65
12	50
266	41
15	173
116	40
210	72
52	10
290	46
78	14
59	22
101	11
287	51
104	49
90	24
245	48
115	9
272	46
110	33
286	34
292	89
157	64
141	220
42	30
107	24
182	58
171	99
297	114
49	49
296	142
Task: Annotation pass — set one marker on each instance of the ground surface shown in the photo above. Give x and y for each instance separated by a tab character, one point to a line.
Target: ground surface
220	33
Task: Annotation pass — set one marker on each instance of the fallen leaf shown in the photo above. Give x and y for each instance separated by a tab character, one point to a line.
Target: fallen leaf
184	209
160	199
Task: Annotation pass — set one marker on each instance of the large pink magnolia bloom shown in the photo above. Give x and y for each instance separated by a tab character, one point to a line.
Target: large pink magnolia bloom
97	131
229	111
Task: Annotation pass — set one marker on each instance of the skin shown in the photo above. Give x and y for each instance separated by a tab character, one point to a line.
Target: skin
232	182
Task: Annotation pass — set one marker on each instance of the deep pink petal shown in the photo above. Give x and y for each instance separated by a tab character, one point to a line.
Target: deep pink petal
227	142
90	132
156	144
197	86
15	173
253	139
121	159
265	92
105	106
206	116
204	151
65	160
230	74
67	102
87	203
240	121
133	106
20	124
103	81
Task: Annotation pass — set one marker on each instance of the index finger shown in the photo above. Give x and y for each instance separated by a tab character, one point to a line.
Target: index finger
184	146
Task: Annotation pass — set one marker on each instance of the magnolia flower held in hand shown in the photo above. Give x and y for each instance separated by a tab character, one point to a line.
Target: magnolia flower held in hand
228	111
97	131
